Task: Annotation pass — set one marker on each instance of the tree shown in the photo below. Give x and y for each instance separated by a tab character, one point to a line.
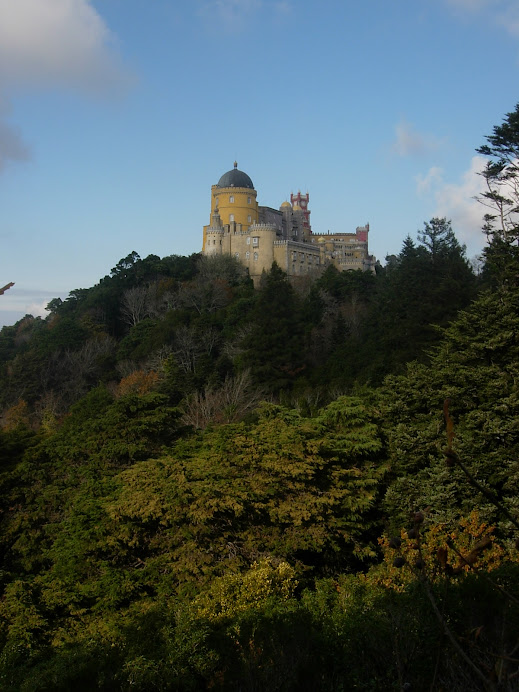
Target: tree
302	490
221	267
422	288
228	403
124	265
274	345
501	197
439	239
476	367
135	304
501	175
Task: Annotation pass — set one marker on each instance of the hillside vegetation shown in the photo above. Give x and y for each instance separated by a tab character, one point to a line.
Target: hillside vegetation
298	487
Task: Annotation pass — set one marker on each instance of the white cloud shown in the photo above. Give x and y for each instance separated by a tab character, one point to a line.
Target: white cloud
53	43
409	142
57	42
18	301
425	184
456	202
38	309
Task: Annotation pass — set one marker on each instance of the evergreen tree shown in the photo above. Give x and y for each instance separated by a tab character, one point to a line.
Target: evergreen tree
422	288
274	345
501	197
475	367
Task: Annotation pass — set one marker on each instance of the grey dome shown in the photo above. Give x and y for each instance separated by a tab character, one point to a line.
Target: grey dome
235	178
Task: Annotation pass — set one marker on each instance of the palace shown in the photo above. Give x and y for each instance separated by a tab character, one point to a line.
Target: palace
259	236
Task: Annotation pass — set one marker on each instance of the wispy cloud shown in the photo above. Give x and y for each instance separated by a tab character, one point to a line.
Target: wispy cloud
471	5
455	200
230	15
409	142
283	8
504	13
234	16
430	181
12	146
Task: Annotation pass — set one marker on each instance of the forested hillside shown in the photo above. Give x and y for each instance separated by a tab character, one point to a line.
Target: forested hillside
295	487
194	329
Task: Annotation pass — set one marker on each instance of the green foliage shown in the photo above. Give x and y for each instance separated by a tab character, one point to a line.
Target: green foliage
424	286
237	593
205	314
476	367
273	345
138	554
500	174
139	342
299	489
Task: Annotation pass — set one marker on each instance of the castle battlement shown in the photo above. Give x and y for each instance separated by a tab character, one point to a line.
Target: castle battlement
263	227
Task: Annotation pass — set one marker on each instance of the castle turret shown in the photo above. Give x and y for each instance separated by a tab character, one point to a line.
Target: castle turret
233	198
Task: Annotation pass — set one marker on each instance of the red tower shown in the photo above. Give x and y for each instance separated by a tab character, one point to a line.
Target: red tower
302	202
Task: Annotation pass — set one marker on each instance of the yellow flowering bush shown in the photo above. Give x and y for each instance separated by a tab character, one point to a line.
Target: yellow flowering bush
235	593
437	551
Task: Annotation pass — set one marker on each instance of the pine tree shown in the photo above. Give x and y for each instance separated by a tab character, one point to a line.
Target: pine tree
274	345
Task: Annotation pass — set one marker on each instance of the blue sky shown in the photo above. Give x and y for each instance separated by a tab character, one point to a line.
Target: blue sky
117	116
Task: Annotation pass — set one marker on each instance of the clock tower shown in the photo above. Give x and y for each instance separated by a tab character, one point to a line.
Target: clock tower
301	201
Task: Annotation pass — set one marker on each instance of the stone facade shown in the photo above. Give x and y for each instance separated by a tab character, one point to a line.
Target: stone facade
259	236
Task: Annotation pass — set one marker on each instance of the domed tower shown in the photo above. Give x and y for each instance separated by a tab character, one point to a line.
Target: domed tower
233	200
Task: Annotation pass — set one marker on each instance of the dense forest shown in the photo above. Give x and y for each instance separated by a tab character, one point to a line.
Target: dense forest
299	486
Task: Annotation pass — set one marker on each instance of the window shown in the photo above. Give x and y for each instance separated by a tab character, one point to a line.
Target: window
255	240
249	218
248	200
247	255
248	240
231	218
255	256
237	255
231	198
